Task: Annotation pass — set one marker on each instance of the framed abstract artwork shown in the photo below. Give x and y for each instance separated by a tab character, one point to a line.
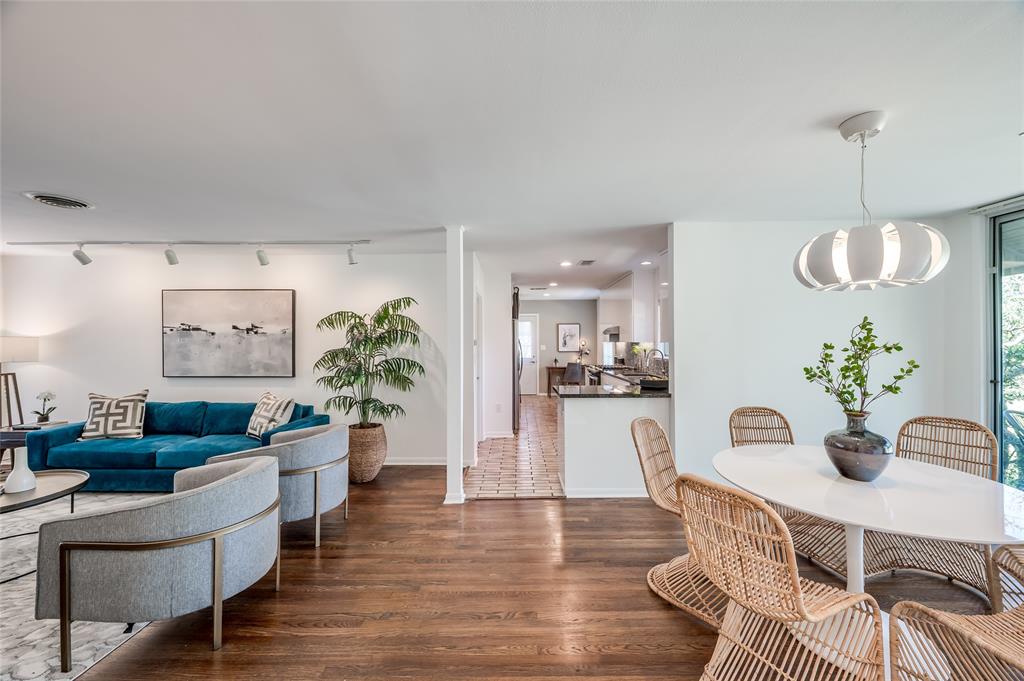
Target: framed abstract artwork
568	335
227	333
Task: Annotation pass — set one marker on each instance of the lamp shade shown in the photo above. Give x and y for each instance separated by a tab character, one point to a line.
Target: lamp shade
890	254
19	349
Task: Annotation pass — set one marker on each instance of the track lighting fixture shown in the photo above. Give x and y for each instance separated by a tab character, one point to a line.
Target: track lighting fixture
81	256
171	256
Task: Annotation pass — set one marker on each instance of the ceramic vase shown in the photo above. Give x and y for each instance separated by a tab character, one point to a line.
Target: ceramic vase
21	479
856	452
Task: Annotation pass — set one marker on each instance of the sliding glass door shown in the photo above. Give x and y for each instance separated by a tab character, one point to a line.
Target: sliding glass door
1008	287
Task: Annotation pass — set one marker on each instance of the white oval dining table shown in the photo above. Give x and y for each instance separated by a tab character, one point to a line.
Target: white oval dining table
910	498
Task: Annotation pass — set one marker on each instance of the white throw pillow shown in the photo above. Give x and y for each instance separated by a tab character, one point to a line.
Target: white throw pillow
115	417
270	412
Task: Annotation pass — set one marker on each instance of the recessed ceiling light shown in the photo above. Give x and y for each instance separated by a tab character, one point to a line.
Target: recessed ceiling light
645	262
554	283
547	295
664	283
565	263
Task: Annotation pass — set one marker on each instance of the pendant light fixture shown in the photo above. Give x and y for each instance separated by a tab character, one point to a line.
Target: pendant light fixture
883	254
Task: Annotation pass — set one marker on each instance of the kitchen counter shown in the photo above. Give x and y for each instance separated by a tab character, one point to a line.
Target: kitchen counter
596	449
597	391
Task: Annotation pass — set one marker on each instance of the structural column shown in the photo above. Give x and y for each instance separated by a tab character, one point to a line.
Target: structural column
455	362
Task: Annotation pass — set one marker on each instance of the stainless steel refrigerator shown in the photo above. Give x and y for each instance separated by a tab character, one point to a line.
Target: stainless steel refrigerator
517	361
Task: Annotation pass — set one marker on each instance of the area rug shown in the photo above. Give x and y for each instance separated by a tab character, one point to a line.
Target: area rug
30	648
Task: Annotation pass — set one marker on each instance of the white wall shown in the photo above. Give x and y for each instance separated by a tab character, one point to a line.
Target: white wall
744	328
549	314
496	286
100	328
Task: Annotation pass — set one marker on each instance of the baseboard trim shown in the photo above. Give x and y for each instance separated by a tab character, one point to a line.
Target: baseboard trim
456	498
499	435
604	493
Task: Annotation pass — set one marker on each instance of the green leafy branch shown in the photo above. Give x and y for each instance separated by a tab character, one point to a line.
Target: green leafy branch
847	383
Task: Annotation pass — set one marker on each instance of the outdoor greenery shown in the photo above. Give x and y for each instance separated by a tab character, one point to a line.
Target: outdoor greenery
847	383
369	359
1013	379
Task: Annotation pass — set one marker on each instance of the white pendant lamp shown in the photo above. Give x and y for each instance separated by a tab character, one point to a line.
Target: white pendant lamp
874	255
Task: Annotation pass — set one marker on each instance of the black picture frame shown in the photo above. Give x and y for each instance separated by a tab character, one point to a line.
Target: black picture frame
165	327
572	347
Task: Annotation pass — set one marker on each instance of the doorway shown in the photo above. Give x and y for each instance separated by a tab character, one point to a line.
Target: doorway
526	332
1008	298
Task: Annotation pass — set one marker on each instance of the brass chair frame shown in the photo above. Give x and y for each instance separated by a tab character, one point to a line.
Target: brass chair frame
316	470
215	536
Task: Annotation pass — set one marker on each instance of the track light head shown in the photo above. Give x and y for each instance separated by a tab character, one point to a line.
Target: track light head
352	256
81	255
171	256
262	257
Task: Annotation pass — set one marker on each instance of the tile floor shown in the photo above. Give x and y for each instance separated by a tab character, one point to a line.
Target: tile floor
522	467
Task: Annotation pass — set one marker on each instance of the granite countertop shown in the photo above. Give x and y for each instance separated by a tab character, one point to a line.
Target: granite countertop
592	391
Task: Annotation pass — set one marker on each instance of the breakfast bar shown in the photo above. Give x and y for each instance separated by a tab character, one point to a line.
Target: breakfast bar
598	458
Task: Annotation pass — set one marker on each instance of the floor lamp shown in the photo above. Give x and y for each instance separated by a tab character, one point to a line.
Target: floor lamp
14	349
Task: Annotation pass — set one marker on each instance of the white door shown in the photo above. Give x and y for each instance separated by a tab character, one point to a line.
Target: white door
527	332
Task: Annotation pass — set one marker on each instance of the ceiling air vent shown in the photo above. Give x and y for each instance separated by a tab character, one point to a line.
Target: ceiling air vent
58	201
585	263
538	288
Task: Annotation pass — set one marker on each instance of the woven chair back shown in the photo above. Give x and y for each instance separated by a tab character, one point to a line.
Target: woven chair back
959	444
743	547
657	462
759	426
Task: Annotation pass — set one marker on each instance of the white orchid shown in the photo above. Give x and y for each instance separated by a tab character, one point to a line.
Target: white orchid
45	396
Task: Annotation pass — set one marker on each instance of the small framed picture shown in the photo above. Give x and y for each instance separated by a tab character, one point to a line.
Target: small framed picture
568	336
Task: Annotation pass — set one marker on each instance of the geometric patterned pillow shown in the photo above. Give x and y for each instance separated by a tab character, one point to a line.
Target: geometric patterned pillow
115	417
270	412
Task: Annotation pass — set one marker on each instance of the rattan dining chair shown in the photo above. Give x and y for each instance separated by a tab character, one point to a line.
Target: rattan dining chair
680	581
778	625
959	444
1009	566
927	644
820	540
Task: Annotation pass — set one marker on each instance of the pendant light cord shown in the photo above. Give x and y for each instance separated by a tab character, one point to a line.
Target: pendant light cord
865	215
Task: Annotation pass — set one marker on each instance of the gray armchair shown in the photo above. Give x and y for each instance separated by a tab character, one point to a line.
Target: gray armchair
313	464
216	535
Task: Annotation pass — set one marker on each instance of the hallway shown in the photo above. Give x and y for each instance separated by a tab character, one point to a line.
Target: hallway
522	467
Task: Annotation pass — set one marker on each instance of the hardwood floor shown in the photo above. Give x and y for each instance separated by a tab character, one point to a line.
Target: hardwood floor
408	588
522	467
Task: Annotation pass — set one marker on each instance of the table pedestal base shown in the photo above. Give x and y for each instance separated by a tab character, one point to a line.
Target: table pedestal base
854	559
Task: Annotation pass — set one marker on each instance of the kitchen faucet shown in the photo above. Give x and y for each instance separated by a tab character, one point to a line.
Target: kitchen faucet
647	358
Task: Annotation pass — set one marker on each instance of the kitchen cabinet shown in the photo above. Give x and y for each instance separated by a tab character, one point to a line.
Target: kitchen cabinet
615	308
631	304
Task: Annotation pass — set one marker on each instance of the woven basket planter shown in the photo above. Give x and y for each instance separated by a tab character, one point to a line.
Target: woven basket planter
367	449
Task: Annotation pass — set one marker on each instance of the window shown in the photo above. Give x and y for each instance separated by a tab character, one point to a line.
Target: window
1008	288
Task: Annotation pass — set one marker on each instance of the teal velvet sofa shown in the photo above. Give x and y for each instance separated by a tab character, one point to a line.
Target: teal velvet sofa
176	435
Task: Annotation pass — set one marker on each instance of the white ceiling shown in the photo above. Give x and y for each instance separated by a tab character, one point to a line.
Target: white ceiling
529	123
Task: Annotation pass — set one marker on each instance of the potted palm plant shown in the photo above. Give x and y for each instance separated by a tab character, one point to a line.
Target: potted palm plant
368	359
